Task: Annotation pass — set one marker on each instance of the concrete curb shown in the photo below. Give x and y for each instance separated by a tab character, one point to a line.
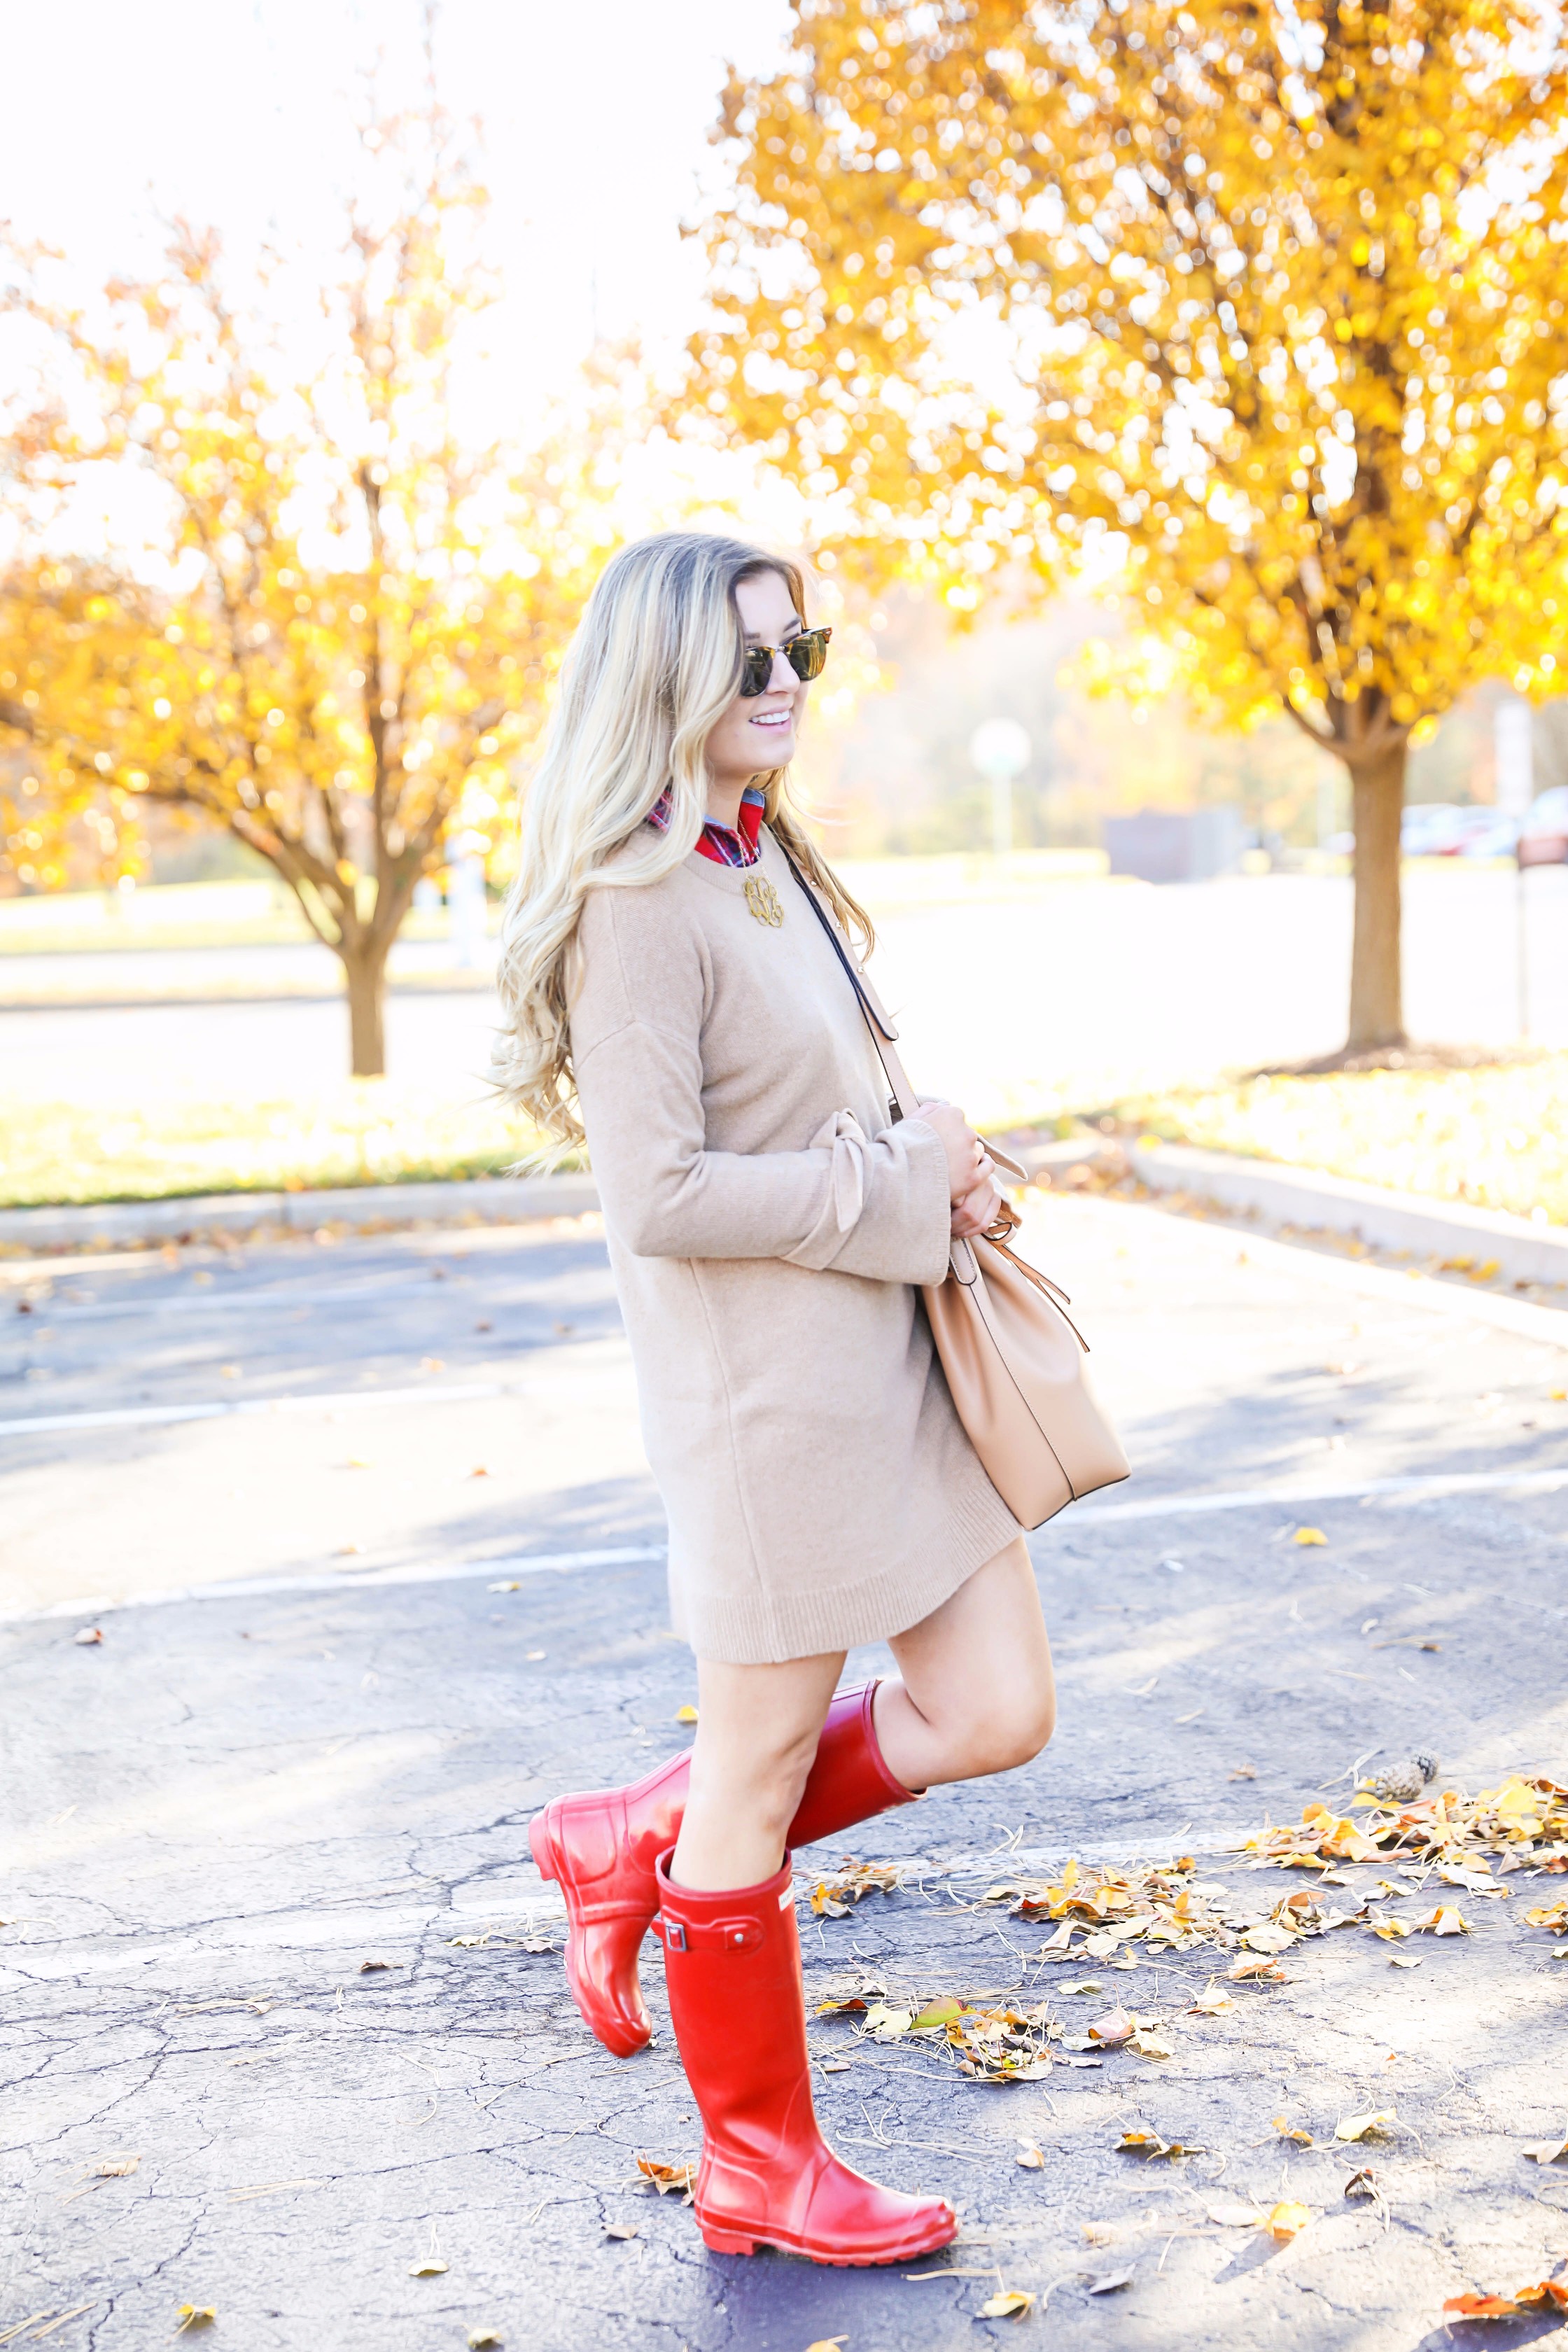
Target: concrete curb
1464	1238
1303	1198
493	1199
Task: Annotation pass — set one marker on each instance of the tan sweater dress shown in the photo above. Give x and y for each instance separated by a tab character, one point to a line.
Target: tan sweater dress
766	1226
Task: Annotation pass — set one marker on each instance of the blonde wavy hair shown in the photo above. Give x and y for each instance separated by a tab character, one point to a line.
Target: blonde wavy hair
657	661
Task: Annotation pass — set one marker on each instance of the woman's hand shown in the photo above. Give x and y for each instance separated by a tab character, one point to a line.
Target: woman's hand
979	1206
969	1169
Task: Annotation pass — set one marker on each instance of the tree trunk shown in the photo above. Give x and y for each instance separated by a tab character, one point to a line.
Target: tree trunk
1377	1010
367	979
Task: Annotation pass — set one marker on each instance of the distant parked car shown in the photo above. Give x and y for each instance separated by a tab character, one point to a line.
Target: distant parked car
1544	836
1432	829
1485	833
1448	829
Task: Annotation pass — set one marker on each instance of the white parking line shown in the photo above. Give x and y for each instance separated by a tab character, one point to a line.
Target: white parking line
207	1302
150	1415
341	1581
526	1904
1329	1490
452	1571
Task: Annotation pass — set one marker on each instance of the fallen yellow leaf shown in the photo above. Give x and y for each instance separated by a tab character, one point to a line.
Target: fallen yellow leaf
1364	2127
1144	2143
1287	2130
1288	2220
427	2266
1269	1937
1029	2157
686	1715
1309	1536
666	2177
194	2314
1011	2304
1552	2292
937	2012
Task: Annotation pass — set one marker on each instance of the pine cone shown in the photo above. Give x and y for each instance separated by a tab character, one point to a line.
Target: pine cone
1402	1783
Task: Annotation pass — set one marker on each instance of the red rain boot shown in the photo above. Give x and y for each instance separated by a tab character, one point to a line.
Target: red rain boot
731	1962
601	1850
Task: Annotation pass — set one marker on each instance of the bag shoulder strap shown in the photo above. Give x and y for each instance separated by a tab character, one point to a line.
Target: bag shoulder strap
905	1102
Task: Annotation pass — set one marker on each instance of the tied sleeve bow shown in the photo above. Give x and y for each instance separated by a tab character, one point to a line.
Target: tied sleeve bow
847	1184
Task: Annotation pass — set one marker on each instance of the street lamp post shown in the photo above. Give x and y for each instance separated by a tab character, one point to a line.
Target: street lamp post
1000	750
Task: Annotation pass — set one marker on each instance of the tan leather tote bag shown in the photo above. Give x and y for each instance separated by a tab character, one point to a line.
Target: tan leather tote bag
1014	1359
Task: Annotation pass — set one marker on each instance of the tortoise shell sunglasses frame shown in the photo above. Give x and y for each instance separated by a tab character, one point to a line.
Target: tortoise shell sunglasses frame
805	653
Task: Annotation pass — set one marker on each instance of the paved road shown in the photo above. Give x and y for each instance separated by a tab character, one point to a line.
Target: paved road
1067	989
320	1757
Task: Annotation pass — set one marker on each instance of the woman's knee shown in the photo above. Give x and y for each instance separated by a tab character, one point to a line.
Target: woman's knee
1014	1729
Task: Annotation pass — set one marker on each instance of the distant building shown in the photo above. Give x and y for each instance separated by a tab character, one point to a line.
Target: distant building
1175	845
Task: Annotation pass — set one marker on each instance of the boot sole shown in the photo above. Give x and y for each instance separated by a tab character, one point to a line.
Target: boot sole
727	2242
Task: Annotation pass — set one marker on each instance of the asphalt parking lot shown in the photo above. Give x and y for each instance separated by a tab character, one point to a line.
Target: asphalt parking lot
368	1537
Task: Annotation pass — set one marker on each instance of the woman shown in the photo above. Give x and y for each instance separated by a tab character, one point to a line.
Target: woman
670	993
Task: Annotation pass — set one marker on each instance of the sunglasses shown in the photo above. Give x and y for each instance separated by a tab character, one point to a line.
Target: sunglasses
806	654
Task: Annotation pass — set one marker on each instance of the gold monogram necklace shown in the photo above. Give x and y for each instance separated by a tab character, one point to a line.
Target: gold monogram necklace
763	900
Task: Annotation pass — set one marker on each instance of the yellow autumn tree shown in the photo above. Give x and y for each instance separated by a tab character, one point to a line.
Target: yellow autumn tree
1258	310
60	826
329	622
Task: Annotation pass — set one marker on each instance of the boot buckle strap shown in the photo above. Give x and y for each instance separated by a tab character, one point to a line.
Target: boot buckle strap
710	1934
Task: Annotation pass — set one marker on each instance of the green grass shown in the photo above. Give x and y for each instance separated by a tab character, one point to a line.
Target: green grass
1496	1137
368	1131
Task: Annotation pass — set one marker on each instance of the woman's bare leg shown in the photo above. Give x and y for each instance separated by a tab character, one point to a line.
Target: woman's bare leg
757	1729
978	1695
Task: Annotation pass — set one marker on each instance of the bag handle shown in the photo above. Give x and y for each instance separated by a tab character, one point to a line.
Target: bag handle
905	1102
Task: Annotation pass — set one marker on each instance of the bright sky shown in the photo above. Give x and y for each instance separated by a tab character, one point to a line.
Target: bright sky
596	119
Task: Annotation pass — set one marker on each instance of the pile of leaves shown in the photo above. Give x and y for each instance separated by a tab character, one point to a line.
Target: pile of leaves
831	1897
988	2045
1168	1915
1524	1822
1167	1909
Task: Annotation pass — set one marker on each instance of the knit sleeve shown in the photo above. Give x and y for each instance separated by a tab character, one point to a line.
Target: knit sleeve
872	1207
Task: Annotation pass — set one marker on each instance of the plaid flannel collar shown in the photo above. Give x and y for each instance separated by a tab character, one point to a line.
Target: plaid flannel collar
726	844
